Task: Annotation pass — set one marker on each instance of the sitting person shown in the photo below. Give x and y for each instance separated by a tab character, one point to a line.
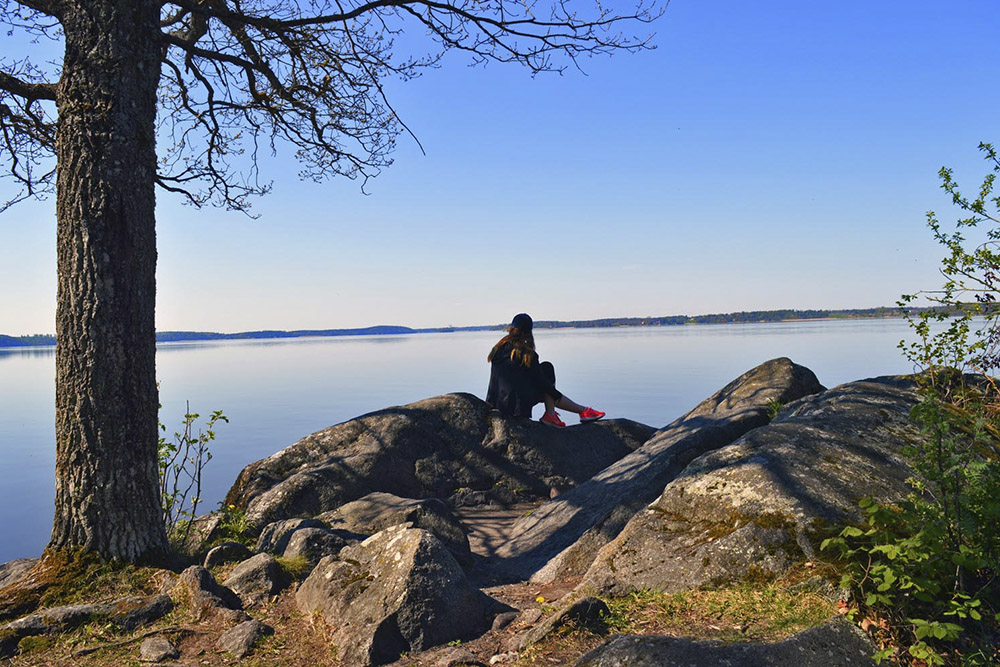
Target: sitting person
518	381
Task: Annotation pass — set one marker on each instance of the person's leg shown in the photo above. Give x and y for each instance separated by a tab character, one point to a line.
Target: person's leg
565	403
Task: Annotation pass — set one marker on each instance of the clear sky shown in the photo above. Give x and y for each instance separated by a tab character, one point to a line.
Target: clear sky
773	154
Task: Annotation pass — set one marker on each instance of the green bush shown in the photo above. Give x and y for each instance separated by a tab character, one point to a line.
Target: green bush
923	573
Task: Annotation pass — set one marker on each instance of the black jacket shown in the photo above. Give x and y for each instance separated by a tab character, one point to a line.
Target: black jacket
514	389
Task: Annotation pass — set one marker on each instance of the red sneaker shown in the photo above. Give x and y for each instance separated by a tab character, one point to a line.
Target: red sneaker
552	419
590	415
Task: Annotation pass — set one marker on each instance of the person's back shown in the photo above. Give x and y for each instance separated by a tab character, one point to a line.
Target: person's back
518	381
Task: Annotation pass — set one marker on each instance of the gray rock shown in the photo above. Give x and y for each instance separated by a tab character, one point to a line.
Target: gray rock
157	649
13	571
562	537
378	511
227	552
314	543
134	612
754	507
503	620
240	640
204	593
584	612
456	657
275	535
429	449
398	591
835	644
257	578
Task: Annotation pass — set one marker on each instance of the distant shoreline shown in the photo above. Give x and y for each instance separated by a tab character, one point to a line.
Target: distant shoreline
742	317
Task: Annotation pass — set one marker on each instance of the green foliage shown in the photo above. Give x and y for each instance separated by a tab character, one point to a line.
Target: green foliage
181	462
923	573
773	408
233	525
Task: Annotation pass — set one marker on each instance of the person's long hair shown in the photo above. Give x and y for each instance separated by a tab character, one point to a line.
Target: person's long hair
522	346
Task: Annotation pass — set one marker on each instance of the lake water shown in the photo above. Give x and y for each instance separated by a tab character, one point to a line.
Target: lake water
276	391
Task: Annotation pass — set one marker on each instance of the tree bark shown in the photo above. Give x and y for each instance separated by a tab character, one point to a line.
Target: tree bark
107	496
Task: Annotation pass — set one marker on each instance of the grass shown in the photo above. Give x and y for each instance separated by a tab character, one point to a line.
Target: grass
744	613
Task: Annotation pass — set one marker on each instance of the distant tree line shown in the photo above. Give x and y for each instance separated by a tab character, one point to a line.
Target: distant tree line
742	317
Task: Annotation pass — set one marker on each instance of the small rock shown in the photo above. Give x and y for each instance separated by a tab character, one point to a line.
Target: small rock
134	612
205	593
274	537
314	543
157	649
226	552
503	620
240	640
257	578
456	657
503	658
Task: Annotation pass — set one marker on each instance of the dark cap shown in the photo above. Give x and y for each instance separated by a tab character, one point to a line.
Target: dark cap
522	322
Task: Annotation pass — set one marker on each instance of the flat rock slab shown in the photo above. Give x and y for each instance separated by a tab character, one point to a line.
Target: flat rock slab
562	536
836	644
489	526
13	571
762	503
127	614
435	448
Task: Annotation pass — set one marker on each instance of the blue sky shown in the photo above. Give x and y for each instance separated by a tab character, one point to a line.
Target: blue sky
774	154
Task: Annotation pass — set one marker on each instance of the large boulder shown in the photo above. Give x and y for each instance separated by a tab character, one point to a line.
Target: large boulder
429	449
398	591
757	506
378	511
838	643
562	537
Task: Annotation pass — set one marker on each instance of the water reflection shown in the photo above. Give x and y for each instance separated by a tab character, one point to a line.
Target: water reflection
21	352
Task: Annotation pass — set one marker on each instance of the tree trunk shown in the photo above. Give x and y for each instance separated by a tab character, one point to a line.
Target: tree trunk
107	496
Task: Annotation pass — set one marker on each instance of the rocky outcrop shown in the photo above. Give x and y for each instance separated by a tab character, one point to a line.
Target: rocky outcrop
435	448
758	505
835	644
378	511
398	591
563	536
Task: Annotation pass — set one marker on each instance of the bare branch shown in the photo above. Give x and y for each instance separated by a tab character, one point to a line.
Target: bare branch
29	91
244	74
52	8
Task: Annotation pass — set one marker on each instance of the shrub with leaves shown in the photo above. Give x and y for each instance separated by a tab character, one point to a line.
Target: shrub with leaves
181	462
923	573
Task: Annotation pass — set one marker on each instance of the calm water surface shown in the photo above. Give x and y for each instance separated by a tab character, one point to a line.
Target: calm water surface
275	392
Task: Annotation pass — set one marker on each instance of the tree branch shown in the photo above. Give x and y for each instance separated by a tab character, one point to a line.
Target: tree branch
29	91
52	8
